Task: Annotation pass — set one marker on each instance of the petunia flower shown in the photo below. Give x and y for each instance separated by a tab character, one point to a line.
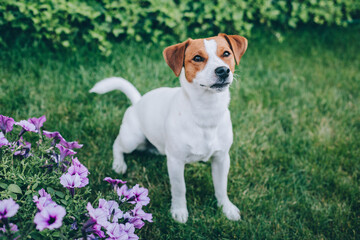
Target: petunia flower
38	122
112	209
91	226
140	195
70	145
129	230
44	200
50	217
70	182
114	182
78	168
3	140
115	231
6	124
64	152
13	229
27	126
99	215
21	147
8	208
124	192
137	217
55	135
138	212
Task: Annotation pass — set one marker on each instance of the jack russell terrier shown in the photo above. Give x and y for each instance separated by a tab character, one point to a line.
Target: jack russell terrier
189	123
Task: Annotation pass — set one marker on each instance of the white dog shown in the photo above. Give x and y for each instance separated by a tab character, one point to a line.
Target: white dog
188	123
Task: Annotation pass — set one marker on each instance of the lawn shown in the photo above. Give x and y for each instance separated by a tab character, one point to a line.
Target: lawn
295	108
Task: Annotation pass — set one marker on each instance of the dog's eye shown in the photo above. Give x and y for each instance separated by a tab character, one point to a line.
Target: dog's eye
226	54
198	58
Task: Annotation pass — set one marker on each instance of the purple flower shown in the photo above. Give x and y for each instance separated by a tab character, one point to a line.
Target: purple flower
70	181
112	209
91	226
37	122
21	147
115	231
78	168
55	135
121	231
129	230
44	200
70	145
50	217
140	195
99	215
8	208
96	228
6	124
137	217
27	126
64	152
124	192
81	170
114	182
3	140
13	229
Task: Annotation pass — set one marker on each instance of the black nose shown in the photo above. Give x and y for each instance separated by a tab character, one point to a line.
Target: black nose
222	72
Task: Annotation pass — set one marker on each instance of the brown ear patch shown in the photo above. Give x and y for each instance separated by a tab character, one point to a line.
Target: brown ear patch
174	56
238	45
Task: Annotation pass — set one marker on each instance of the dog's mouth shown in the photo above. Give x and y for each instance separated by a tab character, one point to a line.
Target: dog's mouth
219	85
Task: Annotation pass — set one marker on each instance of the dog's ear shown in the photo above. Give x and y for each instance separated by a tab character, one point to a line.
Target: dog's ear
174	56
238	45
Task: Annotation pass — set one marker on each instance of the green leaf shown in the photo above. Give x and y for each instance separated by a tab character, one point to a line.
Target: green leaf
50	190
3	185
60	194
14	188
35	186
28	192
13	195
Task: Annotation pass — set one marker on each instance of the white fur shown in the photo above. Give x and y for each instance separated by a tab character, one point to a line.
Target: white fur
117	83
188	124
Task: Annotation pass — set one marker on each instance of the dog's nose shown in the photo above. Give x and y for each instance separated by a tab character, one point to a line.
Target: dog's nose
222	72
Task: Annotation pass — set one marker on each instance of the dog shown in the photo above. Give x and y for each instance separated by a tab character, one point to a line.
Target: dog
189	123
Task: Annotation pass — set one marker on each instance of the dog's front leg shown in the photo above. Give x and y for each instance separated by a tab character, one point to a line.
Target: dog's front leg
220	168
178	191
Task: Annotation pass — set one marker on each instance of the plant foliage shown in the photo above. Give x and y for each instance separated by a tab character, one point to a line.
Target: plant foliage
63	22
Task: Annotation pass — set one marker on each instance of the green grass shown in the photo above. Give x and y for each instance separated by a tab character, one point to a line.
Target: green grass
295	107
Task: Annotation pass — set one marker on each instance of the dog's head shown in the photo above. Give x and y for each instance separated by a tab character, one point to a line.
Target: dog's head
208	63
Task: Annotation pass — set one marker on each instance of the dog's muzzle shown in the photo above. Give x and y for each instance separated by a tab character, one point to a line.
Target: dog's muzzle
222	73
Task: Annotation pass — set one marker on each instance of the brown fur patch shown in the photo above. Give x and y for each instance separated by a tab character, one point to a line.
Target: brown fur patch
223	46
195	47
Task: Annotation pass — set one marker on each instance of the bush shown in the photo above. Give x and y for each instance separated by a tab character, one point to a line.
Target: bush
43	193
64	22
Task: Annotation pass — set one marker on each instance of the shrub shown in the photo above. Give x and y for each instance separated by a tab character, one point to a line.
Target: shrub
47	185
64	22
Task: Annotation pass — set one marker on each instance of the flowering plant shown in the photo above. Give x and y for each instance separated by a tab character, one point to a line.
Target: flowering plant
44	190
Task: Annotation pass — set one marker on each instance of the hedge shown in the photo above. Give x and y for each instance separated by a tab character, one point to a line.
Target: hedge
99	23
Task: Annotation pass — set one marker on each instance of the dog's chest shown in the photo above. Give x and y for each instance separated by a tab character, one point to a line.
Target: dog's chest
202	145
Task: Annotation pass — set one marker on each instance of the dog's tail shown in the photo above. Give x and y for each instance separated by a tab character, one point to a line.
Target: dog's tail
117	83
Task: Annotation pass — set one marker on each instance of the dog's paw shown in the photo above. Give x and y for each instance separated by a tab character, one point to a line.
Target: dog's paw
231	211
119	167
180	214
